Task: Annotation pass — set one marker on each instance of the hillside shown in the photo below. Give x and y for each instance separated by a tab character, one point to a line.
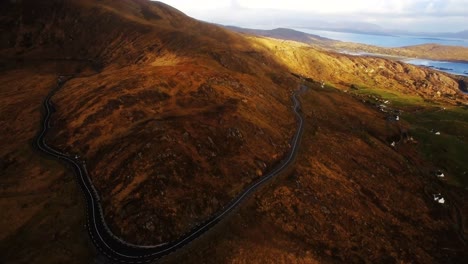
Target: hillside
426	51
345	71
172	113
175	117
439	52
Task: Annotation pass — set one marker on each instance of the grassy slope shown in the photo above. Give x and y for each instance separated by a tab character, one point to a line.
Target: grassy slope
343	71
447	151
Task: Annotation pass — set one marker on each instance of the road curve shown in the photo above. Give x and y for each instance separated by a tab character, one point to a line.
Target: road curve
115	248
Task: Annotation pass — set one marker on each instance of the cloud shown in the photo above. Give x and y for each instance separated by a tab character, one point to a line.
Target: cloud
417	15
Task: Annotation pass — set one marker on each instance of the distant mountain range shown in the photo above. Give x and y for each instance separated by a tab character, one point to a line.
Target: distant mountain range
320	23
462	34
284	33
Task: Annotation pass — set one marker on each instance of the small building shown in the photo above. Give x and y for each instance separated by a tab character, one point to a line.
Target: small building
438	198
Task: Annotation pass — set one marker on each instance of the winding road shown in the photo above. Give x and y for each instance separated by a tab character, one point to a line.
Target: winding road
115	248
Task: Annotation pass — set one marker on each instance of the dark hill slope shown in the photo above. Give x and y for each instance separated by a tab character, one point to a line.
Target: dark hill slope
175	115
111	31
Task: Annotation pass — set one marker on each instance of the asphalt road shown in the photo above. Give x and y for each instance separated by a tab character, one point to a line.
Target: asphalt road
106	242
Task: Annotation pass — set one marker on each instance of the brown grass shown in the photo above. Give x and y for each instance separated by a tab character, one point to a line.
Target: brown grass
42	207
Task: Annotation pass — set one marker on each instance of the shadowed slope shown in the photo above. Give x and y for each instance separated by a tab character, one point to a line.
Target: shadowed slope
173	113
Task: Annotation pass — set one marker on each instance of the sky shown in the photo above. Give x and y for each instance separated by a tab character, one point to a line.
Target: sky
410	15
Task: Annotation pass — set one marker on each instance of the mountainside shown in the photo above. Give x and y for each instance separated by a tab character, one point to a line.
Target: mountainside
175	117
174	112
439	52
345	71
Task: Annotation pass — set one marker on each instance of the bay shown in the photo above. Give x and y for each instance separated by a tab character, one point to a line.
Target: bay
385	41
458	68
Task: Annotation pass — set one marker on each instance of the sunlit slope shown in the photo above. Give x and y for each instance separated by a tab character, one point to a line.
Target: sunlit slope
346	71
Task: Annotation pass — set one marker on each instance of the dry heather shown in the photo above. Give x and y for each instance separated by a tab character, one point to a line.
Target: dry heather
171	113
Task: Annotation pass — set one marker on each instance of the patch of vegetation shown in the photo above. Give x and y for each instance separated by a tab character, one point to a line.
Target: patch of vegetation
447	151
397	99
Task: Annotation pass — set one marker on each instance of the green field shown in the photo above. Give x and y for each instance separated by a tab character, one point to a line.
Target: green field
449	150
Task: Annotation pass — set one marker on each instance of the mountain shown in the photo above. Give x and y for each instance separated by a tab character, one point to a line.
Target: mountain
172	105
285	33
351	27
462	34
175	117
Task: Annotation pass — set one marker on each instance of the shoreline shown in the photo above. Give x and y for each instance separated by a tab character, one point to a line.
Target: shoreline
407	59
396	57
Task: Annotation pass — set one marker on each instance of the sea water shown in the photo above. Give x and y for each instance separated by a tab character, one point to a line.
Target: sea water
458	68
386	41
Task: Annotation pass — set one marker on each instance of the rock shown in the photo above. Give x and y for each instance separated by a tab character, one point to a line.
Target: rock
325	210
211	141
260	164
150	226
185	136
234	133
259	172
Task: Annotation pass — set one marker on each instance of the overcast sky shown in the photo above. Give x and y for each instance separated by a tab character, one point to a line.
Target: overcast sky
412	15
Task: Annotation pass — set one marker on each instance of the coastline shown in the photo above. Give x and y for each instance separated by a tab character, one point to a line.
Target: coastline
408	59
